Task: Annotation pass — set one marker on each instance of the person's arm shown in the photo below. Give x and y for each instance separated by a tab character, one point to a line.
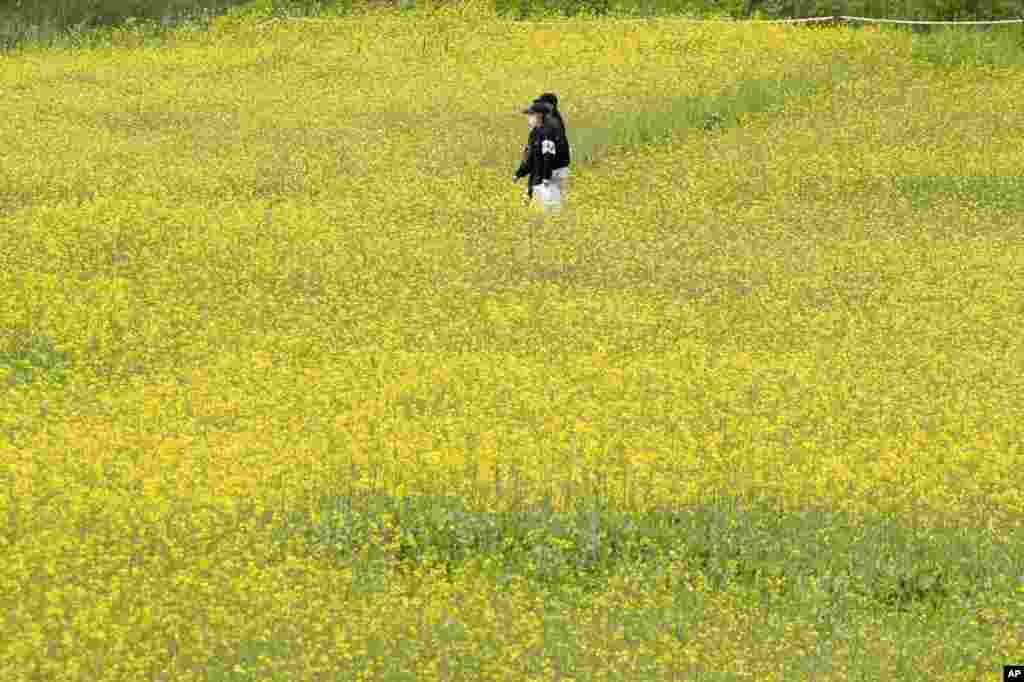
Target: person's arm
563	138
547	155
566	146
524	165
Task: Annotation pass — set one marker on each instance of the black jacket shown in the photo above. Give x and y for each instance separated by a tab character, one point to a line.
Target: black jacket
562	145
539	155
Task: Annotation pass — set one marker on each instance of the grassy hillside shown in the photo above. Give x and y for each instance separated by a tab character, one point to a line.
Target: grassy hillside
293	387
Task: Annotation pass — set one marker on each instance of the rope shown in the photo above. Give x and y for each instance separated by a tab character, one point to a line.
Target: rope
903	21
834	18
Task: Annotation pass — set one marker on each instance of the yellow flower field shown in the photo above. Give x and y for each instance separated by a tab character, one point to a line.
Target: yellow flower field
257	276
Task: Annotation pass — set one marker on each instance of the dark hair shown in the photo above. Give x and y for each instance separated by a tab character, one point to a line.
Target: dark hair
538	107
549	97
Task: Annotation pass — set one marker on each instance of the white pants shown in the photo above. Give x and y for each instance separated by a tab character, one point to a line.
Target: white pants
547	197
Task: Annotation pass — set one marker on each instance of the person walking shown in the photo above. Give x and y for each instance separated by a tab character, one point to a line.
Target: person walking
560	174
539	157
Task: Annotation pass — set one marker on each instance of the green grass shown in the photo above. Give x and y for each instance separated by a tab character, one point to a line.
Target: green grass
870	562
813	566
1002	45
649	123
998	192
28	356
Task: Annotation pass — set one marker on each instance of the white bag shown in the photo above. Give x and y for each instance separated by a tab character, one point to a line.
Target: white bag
560	178
547	196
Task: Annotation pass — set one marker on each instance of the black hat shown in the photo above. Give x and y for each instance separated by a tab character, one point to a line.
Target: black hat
538	107
549	97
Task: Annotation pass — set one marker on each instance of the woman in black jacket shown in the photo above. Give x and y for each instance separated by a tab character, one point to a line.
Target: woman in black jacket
539	157
560	174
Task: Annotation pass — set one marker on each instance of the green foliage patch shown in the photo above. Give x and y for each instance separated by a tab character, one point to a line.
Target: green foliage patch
29	356
656	123
1002	192
874	562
